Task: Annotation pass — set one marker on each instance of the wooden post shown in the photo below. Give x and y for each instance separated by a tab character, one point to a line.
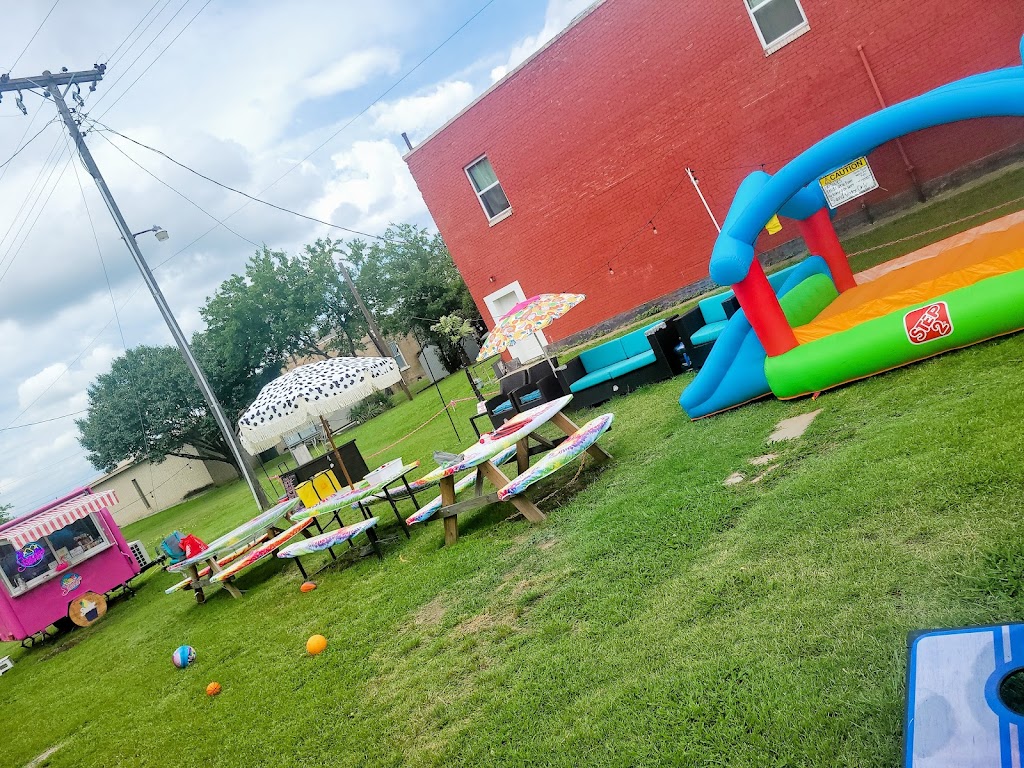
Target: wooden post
525	506
451	524
522	455
337	454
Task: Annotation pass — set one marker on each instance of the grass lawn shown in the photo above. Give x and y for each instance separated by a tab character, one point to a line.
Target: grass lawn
656	618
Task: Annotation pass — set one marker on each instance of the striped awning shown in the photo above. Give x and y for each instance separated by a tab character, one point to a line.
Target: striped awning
58	517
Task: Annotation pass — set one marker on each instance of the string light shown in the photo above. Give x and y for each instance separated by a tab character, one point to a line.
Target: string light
610	270
654	227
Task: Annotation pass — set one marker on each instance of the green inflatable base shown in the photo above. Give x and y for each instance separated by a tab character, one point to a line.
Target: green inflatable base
992	307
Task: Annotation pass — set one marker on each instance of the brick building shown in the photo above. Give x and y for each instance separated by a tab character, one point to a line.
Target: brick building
569	173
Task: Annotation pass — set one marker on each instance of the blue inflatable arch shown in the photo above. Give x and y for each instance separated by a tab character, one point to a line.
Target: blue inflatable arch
794	191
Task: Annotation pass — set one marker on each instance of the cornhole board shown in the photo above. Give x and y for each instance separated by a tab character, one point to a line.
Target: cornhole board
204	572
955	715
258	553
567	451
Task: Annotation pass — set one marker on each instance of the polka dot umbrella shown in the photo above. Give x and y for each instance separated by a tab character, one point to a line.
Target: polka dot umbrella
310	392
525	319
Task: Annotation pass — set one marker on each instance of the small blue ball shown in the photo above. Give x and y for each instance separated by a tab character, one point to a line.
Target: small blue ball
183	656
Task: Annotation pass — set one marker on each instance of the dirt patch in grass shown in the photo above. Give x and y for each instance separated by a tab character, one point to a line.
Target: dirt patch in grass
430	615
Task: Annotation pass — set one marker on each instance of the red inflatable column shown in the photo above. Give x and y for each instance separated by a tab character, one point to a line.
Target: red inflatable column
757	297
822	240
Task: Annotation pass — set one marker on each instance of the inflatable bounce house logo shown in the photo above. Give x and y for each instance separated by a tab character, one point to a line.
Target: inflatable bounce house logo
928	323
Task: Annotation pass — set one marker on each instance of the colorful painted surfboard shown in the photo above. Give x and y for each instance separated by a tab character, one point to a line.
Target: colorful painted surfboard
508	434
258	553
327	540
222	561
247	531
570	448
429	510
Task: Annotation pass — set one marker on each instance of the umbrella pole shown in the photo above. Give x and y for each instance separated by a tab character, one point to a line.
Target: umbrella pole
337	453
444	402
544	349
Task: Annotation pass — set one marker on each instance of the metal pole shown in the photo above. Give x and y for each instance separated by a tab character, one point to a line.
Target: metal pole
696	185
374	331
179	337
430	373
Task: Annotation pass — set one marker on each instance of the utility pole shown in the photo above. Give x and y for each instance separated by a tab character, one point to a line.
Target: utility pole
374	330
52	84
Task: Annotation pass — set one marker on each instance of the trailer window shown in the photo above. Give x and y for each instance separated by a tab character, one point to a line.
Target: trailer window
41	560
23	566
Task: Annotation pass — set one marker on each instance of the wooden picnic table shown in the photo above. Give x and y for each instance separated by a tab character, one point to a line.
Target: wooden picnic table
247	533
516	431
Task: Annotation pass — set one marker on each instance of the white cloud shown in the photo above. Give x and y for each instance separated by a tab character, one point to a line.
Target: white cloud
557	17
373	185
424	113
352	71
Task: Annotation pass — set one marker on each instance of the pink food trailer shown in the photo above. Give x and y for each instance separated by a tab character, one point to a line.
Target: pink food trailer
52	556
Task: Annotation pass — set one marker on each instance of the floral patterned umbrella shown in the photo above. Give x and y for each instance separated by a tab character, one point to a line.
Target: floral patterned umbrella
312	391
526	318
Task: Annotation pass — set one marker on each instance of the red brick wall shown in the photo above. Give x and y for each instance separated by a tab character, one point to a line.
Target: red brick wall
592	136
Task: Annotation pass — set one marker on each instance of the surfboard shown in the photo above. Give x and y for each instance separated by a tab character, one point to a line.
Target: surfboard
553	461
204	572
327	540
258	553
428	510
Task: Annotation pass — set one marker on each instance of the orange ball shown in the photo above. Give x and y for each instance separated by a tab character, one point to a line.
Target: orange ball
316	644
213	689
307	586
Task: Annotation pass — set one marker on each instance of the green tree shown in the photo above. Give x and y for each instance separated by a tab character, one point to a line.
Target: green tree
5	512
148	407
409	282
283	308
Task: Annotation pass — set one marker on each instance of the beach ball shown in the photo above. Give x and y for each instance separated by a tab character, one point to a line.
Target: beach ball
183	656
307	586
316	644
213	689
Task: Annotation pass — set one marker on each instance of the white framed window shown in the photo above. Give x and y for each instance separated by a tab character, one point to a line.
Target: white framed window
777	22
399	357
488	190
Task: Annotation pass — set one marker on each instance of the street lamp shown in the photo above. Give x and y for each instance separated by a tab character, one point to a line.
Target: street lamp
160	232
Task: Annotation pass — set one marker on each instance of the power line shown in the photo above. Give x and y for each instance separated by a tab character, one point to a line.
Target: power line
128	36
105	128
19	149
362	112
155	60
145	48
31	39
117	318
45	421
32	226
180	194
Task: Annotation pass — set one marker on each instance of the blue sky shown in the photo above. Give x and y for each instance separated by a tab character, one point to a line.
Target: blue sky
245	92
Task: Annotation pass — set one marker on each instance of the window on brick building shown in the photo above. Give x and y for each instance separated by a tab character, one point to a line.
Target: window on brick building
488	190
777	22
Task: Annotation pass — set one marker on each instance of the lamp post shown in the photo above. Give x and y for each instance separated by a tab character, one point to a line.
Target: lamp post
156	229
